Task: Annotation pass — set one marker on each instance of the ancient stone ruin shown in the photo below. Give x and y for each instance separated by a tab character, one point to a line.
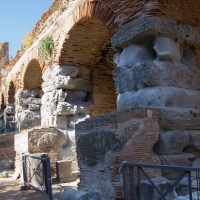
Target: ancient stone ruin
122	83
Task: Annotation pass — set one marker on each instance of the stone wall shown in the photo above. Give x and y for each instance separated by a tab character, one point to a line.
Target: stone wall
37	140
65	102
104	141
157	67
27	108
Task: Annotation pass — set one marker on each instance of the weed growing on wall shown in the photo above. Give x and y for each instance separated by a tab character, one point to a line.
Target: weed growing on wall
45	48
27	40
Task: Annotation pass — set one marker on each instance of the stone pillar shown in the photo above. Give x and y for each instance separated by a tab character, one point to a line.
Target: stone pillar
64	171
64	104
27	111
157	67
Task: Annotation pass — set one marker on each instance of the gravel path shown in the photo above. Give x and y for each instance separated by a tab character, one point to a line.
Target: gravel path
9	189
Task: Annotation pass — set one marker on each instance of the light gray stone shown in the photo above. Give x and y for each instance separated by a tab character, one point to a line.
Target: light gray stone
62	137
62	122
73	120
23	94
194	143
179	119
72	194
166	74
9	110
33	107
64	108
159	97
148	191
85	73
135	54
188	57
28	116
27	125
167	49
30	100
171	142
184	159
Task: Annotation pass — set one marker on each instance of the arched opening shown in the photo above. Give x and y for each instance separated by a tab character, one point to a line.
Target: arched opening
88	45
28	99
9	112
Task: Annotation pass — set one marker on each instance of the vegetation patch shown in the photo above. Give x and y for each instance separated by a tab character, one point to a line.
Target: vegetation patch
45	48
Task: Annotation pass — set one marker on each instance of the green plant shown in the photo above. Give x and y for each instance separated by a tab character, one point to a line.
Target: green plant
27	40
45	48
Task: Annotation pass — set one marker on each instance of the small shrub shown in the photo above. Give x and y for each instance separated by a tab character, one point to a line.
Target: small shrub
45	48
27	41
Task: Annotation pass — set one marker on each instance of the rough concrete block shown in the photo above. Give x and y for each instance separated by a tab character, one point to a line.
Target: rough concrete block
171	142
72	194
149	192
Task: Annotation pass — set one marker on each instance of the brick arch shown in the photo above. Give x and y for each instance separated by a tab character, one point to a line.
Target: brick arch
11	93
32	75
93	24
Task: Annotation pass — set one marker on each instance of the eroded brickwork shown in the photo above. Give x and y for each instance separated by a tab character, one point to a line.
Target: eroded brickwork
128	135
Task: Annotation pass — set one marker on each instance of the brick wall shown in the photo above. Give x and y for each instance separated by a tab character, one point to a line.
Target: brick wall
114	137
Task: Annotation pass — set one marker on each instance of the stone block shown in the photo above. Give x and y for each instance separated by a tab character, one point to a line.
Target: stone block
75	96
62	122
171	142
73	194
82	84
62	137
28	125
10	125
149	192
73	120
64	171
167	49
28	116
64	108
135	54
35	93
9	110
30	100
23	94
85	73
179	119
48	140
159	97
152	26
184	159
33	107
194	143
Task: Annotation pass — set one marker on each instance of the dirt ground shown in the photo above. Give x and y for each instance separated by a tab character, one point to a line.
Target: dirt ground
9	189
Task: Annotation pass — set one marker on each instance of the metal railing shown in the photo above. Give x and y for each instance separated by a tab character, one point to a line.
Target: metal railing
132	185
40	174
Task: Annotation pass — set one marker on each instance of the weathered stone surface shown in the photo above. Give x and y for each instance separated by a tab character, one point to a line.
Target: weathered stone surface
62	137
28	125
72	194
49	121
148	27
27	116
64	171
184	159
23	94
64	82
35	93
75	95
9	110
73	120
159	97
167	74
10	125
85	73
149	192
82	84
194	143
135	54
167	49
179	118
30	100
171	142
64	108
48	140
5	143
62	121
33	107
59	70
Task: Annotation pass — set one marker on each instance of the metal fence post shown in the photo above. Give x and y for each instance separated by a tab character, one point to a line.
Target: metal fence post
125	180
48	179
